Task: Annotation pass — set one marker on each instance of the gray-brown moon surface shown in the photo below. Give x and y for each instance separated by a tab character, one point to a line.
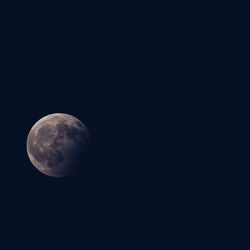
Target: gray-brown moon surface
56	144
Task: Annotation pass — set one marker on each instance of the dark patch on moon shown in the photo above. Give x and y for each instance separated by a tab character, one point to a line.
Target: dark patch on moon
55	158
61	128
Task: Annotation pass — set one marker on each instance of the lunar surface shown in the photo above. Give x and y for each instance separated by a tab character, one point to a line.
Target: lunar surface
57	143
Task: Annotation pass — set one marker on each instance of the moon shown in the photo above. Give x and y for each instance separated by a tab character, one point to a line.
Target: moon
56	144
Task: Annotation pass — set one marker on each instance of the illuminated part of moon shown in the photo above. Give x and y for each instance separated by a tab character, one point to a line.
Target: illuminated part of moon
56	144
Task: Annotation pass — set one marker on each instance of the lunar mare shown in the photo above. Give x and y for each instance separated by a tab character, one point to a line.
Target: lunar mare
56	144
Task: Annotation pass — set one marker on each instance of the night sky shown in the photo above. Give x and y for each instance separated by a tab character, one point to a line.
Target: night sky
156	88
148	84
